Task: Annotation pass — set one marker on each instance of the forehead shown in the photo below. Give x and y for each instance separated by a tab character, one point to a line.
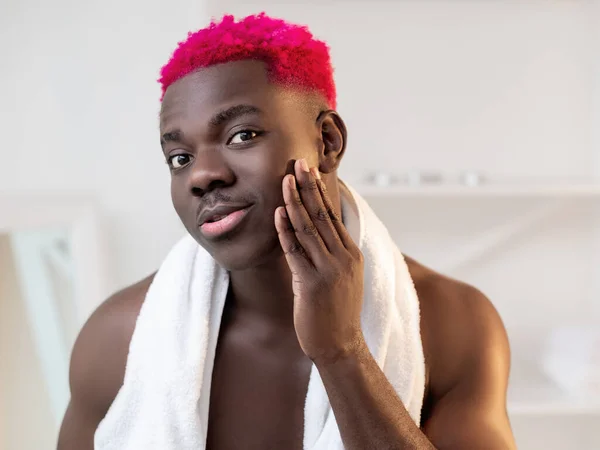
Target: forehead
212	89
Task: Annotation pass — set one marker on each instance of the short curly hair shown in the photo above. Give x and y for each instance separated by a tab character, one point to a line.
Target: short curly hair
293	57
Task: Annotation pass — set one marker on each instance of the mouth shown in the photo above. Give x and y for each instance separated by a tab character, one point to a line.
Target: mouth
222	220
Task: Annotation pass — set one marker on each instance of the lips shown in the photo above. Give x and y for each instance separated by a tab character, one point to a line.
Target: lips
220	221
218	213
215	218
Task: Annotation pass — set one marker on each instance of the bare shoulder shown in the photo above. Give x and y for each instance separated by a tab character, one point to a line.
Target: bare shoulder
98	363
100	352
461	330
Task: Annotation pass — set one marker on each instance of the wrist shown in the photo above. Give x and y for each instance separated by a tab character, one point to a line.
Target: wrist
355	351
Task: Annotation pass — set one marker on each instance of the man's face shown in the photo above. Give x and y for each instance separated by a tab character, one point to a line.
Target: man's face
229	137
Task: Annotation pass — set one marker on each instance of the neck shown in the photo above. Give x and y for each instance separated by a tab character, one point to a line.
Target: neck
265	292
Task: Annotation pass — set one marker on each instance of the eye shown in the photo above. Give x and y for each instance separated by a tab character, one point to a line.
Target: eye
178	161
242	136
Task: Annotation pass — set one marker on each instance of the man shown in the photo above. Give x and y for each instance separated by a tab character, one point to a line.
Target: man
253	143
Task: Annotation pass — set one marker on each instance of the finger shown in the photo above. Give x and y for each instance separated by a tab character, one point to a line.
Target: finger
305	230
335	218
313	203
294	253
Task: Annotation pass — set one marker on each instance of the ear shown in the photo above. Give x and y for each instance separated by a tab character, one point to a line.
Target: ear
333	140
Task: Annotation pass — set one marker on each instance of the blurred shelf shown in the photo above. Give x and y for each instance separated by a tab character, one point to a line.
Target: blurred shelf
546	400
486	190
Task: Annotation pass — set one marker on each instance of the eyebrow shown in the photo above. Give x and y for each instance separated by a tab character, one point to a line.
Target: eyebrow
215	121
233	113
171	136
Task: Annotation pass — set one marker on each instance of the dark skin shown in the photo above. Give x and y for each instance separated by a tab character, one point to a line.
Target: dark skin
283	302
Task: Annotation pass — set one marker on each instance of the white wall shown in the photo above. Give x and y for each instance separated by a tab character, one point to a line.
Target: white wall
79	112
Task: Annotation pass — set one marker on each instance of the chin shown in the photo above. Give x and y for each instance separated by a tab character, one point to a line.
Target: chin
243	255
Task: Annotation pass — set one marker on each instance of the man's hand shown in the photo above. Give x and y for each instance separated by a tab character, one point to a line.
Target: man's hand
326	265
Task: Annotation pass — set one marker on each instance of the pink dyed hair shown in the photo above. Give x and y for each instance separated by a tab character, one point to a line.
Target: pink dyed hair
293	57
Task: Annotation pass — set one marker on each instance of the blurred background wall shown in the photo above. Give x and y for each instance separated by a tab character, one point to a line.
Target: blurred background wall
507	89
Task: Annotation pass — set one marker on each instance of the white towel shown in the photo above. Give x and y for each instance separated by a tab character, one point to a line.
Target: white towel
163	403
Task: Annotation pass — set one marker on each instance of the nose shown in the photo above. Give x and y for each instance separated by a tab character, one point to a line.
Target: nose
209	171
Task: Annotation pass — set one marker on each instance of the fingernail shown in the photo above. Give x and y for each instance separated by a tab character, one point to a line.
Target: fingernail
283	212
303	165
316	173
292	181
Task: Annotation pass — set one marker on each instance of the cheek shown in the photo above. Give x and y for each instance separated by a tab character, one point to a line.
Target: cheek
178	197
285	149
301	143
267	180
264	166
273	170
277	160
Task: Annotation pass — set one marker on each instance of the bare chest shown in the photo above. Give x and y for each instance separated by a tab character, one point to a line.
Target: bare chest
257	396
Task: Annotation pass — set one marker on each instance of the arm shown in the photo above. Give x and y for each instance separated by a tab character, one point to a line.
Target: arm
468	388
90	388
98	366
469	360
469	378
369	413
